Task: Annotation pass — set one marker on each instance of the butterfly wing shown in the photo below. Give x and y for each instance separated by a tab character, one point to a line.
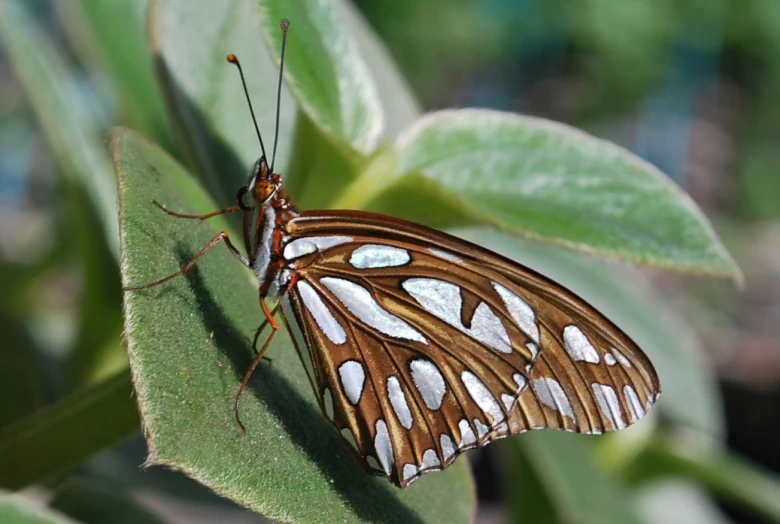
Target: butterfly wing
420	345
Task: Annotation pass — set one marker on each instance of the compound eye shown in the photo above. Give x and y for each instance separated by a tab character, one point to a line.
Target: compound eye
262	190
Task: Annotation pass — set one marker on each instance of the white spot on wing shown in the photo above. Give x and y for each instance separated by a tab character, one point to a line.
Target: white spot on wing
383	446
446	255
578	345
410	470
321	313
361	304
519	380
482	429
508	401
430	460
447	446
443	300
608	402
467	437
609	359
634	405
482	396
308	245
621	358
376	255
398	401
521	312
429	382
551	394
353	376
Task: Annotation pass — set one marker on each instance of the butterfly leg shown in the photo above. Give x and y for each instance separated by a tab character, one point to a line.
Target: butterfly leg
227	210
257	335
213	242
269	317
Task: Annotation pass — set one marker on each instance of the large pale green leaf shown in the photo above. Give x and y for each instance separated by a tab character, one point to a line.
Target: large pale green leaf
728	476
581	491
326	71
67	433
399	105
64	113
206	102
690	391
189	346
111	34
553	183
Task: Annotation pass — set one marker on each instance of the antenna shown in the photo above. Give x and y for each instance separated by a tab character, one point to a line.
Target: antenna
285	24
233	59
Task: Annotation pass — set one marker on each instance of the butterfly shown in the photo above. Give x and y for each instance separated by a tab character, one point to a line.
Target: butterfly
420	345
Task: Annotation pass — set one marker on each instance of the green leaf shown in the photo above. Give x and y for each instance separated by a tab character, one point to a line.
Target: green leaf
581	490
112	35
65	115
690	390
89	502
21	379
727	475
325	70
399	105
553	183
206	103
19	510
189	343
67	433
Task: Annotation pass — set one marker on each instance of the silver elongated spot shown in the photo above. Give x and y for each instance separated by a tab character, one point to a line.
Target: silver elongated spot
519	380
508	400
430	459
372	256
608	402
308	245
360	303
482	429
467	437
551	394
446	255
398	401
410	470
447	446
321	313
636	410
621	358
609	359
353	377
442	299
327	399
482	396
578	345
429	382
383	446
521	312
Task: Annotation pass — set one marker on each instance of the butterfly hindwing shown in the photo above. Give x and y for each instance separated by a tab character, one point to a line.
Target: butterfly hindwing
421	345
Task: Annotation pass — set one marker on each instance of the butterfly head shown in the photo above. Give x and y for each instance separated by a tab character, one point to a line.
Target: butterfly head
263	183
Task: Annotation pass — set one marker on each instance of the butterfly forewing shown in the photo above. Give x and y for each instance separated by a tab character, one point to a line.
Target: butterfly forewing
420	345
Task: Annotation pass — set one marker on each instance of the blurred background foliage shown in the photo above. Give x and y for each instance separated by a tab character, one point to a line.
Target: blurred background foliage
690	85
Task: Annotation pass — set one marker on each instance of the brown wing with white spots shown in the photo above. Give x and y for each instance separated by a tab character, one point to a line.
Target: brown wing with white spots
421	345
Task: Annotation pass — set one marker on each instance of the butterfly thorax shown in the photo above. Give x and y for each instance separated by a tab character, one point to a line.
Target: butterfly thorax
276	210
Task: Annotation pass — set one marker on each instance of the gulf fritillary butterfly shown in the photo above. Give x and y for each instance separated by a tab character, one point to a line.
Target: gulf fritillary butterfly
420	345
